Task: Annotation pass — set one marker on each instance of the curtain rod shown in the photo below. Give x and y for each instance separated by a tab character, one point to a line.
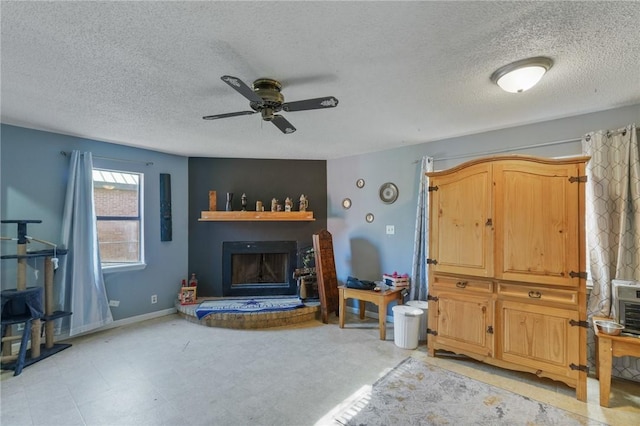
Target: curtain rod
146	163
609	133
499	151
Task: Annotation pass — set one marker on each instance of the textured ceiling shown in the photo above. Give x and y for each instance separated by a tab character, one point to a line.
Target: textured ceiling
144	73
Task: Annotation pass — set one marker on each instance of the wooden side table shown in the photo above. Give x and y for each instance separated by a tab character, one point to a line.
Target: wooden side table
379	298
606	348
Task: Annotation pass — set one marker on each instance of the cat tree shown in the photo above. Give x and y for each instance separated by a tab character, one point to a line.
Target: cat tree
50	255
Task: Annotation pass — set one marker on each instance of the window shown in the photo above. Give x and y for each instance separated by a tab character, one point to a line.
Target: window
117	196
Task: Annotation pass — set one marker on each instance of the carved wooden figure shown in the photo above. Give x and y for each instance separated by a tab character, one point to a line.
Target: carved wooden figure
326	273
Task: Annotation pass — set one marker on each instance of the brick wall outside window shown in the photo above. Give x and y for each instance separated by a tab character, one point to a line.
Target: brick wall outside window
119	239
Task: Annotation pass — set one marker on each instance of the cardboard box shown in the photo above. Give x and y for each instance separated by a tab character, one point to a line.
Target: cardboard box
188	295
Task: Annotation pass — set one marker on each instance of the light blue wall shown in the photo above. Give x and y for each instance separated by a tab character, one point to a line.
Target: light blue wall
33	181
364	250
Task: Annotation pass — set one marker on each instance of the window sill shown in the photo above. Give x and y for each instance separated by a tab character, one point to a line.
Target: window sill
123	267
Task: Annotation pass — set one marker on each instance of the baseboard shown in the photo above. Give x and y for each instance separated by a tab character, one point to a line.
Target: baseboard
139	318
122	322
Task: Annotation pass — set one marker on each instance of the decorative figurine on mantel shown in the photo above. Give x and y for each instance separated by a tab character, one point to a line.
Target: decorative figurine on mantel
229	207
274	205
304	203
288	204
243	199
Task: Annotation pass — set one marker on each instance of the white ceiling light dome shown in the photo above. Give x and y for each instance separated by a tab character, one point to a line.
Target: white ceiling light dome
522	75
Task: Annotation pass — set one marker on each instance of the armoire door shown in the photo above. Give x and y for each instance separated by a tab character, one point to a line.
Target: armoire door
461	239
537	211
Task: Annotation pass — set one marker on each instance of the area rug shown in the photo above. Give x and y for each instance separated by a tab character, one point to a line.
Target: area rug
416	393
244	305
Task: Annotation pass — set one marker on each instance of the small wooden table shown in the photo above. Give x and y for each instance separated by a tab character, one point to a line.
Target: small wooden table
379	298
606	348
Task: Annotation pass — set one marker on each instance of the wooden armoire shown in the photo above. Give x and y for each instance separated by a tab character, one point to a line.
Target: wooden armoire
507	277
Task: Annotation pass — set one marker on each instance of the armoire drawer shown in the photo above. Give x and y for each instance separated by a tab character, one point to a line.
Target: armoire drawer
551	295
444	282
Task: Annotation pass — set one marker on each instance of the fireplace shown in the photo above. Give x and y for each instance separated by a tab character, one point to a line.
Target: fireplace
258	268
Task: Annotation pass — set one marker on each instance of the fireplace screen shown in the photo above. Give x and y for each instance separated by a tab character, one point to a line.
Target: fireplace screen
258	268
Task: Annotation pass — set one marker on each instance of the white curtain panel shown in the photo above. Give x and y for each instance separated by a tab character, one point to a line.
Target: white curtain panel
613	225
420	269
82	289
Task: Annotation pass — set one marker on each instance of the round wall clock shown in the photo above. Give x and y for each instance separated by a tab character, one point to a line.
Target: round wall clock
360	183
369	217
388	193
346	203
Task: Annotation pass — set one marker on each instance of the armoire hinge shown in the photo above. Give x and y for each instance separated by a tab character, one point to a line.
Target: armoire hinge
575	323
432	262
579	367
574	179
430	297
430	331
574	274
432	188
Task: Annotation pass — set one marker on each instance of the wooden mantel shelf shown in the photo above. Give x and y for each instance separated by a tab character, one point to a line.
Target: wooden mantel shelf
224	216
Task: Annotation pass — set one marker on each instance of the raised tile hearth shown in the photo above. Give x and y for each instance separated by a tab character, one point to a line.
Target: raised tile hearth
251	320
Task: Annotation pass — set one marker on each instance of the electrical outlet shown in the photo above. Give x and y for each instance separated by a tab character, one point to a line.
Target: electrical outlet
391	229
154	298
114	303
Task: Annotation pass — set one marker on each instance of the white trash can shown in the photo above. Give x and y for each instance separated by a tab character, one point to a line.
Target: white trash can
406	326
421	304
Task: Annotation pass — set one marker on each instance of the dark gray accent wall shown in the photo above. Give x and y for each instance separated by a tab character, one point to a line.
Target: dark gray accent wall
260	180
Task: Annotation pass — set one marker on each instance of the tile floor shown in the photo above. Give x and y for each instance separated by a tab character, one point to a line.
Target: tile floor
168	371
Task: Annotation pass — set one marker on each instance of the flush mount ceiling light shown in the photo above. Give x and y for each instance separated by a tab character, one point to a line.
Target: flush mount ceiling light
521	75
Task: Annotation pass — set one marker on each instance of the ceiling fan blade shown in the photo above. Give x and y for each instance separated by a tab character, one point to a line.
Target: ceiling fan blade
240	86
317	103
282	124
229	114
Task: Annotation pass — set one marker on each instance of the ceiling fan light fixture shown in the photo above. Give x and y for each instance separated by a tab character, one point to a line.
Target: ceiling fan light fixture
522	75
267	114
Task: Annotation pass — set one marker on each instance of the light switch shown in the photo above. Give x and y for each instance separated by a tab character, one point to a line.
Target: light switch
391	229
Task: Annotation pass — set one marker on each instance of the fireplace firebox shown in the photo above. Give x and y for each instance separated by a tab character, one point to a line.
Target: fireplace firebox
258	268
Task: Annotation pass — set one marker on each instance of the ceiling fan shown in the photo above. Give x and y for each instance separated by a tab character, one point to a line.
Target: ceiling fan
264	97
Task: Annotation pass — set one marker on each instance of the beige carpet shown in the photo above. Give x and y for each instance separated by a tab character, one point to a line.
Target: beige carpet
416	393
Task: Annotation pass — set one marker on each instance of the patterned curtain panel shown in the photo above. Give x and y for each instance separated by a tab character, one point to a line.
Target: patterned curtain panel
613	212
613	223
419	269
